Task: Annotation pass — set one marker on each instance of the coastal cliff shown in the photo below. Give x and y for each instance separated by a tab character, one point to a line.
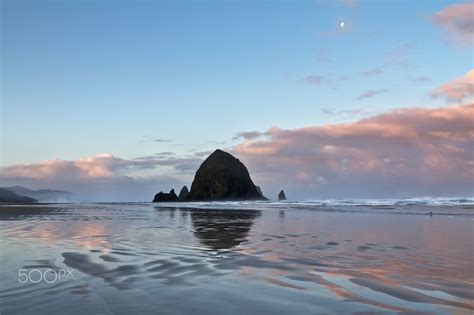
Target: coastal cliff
8	196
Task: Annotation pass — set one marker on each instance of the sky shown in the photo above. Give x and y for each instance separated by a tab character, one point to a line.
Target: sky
116	100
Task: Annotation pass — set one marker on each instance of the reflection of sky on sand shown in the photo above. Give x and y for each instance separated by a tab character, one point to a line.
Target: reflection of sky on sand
372	262
396	253
87	234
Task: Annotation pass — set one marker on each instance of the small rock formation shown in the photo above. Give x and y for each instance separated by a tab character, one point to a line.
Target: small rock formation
183	193
223	177
166	197
281	195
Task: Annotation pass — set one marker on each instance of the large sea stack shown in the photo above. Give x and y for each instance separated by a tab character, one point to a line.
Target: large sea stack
223	177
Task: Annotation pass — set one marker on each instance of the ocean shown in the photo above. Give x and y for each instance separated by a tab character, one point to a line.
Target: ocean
312	257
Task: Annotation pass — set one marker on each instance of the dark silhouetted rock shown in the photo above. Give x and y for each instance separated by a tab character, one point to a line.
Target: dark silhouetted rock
281	195
166	197
43	195
223	177
8	196
183	193
259	191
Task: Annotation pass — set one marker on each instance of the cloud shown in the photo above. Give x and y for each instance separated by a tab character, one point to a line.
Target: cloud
315	80
147	139
396	56
421	78
180	163
203	153
166	153
101	176
320	80
247	135
399	55
458	22
372	72
101	165
403	153
348	112
457	90
370	94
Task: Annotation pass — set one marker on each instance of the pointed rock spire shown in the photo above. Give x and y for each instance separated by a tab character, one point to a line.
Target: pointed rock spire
281	195
183	193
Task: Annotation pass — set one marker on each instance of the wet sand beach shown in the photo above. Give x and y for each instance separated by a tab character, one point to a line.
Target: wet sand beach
253	258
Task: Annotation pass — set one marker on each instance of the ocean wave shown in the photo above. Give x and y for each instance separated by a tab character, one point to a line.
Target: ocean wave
424	201
419	206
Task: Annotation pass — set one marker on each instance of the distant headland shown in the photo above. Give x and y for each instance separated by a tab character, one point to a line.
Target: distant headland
221	177
23	195
8	196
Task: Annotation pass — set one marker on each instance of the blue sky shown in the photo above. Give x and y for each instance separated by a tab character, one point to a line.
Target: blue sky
81	78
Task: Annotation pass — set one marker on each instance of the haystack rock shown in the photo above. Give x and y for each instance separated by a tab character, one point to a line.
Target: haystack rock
166	197
183	193
223	177
281	195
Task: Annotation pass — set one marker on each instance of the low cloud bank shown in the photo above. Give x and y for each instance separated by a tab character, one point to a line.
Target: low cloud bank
403	153
105	177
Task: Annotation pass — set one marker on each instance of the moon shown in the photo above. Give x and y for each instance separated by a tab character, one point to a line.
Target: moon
341	24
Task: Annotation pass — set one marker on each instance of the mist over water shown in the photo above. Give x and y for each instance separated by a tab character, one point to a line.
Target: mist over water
249	257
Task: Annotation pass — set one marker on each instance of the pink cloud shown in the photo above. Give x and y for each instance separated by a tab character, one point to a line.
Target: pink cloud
458	89
458	22
100	166
106	177
402	153
405	152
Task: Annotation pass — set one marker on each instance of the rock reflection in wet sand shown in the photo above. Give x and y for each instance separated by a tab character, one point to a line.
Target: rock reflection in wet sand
222	229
